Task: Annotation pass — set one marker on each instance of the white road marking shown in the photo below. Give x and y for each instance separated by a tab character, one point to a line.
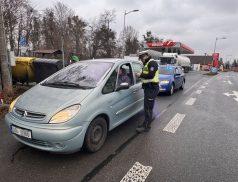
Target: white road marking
192	86
228	82
235	93
199	92
190	101
203	86
138	172
173	125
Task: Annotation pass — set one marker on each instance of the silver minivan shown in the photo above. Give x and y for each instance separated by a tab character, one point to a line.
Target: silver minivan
76	106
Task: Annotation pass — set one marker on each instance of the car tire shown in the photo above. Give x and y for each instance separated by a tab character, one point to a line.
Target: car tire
96	135
182	86
171	91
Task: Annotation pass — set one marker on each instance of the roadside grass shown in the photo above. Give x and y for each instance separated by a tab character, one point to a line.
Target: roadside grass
212	74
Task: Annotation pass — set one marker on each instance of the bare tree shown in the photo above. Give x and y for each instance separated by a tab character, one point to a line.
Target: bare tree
107	17
149	37
131	40
56	23
103	38
62	12
234	64
35	34
77	35
49	29
13	11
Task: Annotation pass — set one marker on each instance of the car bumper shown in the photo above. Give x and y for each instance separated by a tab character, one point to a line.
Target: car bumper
66	139
164	88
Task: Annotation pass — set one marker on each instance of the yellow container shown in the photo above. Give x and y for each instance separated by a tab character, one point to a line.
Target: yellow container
24	70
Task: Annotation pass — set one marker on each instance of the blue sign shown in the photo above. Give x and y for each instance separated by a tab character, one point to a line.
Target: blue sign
213	70
22	41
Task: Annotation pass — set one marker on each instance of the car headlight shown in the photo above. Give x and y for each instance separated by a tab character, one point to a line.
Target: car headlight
12	104
65	114
164	82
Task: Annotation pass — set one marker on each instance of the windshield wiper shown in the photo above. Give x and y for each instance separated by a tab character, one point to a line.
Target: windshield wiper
67	84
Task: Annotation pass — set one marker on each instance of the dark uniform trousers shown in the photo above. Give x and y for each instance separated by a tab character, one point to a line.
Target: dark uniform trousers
150	93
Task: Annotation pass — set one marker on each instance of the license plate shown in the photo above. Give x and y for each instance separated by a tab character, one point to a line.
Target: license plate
20	131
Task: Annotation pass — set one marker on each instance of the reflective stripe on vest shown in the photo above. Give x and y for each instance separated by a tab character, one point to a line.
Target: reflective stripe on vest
146	71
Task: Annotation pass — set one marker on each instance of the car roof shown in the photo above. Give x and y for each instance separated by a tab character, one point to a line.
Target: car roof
110	60
173	66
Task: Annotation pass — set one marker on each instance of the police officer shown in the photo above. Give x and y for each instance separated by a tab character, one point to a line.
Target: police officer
150	84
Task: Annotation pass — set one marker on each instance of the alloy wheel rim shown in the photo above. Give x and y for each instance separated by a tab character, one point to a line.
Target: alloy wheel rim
97	134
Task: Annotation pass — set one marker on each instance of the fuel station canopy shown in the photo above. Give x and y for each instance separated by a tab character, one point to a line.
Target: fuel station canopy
169	47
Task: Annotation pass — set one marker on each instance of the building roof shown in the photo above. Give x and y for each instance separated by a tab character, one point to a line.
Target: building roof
48	51
200	59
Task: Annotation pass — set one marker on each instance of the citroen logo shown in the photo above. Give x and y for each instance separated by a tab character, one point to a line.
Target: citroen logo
25	114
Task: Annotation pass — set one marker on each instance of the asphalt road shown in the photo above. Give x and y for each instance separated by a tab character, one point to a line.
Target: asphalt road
193	138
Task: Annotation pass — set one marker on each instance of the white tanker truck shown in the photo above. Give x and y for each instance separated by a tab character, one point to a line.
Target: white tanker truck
175	59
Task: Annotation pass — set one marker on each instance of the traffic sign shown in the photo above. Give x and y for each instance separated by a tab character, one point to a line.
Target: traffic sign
22	41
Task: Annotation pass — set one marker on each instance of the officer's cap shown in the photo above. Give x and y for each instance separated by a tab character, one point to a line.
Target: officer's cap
142	54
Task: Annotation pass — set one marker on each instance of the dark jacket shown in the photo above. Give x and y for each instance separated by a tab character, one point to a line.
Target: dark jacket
123	78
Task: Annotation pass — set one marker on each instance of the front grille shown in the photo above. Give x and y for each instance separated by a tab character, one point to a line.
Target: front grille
35	142
28	114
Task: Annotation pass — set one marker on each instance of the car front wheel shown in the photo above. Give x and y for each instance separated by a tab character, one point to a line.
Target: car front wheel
96	135
171	91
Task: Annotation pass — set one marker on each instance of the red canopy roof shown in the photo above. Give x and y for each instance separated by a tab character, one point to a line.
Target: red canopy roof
170	47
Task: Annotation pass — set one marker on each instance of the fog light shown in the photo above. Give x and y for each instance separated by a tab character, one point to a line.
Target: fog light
59	145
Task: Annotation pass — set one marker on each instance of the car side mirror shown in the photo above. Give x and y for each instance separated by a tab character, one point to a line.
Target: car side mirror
177	74
122	86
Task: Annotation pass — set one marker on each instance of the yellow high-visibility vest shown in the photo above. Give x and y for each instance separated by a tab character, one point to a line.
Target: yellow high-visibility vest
146	71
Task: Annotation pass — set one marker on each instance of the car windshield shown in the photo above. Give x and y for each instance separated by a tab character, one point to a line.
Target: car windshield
167	60
166	70
85	75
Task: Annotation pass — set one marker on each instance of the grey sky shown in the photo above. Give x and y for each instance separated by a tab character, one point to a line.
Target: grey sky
195	23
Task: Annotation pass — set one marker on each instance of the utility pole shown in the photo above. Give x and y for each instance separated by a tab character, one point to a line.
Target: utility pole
204	59
5	76
62	40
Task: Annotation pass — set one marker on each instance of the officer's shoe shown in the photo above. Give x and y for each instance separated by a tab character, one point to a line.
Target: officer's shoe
140	129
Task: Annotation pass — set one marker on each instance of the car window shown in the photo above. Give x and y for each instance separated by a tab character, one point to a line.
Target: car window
137	68
85	74
111	83
167	60
179	70
167	70
126	75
